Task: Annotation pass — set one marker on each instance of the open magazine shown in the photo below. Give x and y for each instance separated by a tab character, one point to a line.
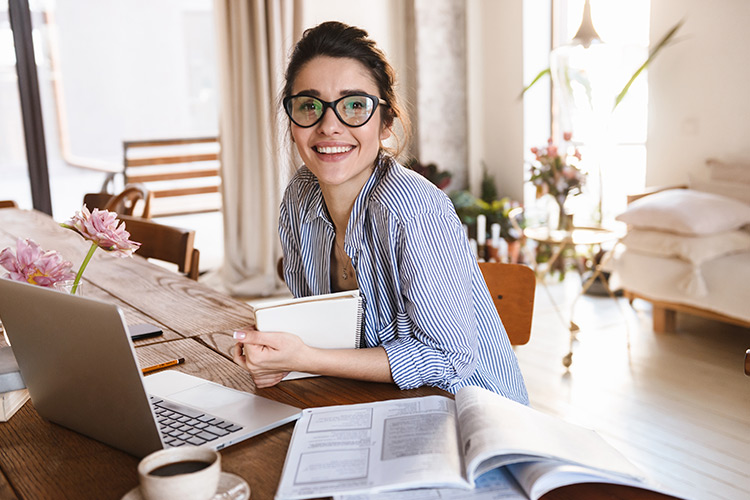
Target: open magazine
477	446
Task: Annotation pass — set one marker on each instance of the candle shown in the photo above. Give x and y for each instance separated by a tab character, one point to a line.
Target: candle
474	248
495	231
481	229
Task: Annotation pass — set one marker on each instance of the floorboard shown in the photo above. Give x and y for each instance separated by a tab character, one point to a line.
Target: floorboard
677	405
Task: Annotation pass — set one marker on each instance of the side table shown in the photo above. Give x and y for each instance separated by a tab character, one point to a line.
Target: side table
560	240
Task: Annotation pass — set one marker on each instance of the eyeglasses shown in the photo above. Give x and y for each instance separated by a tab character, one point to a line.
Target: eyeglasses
352	110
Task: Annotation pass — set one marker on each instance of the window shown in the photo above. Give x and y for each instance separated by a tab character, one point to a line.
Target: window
613	144
108	71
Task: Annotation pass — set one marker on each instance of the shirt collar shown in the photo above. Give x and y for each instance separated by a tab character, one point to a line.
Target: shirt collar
317	203
357	217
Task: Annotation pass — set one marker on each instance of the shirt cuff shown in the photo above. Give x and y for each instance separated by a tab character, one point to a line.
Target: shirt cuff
413	364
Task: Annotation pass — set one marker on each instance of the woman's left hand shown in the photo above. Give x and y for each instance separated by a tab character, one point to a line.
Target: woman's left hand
268	356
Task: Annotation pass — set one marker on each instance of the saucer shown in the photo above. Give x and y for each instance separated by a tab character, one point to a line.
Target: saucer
231	487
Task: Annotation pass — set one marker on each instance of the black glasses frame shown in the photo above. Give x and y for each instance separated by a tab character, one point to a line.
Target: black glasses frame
326	104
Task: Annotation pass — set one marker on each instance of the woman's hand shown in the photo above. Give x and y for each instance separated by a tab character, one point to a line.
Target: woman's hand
268	356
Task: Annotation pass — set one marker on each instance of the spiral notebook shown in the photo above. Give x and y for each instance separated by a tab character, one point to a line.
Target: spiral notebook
329	321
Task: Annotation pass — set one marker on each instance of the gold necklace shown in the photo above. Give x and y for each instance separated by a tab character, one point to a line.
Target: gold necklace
343	258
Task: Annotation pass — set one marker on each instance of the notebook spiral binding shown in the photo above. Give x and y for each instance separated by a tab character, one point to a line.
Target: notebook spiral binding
359	334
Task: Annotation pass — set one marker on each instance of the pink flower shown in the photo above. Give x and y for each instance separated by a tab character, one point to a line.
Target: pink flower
567	136
33	265
101	227
104	231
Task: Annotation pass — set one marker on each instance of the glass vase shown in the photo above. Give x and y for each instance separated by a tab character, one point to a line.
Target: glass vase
66	286
559	219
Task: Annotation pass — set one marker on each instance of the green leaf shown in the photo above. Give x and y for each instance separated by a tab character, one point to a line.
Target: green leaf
652	54
536	79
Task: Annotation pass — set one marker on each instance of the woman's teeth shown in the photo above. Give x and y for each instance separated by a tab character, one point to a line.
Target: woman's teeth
330	150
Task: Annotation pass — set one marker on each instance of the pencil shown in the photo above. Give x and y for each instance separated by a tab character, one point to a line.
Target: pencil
166	364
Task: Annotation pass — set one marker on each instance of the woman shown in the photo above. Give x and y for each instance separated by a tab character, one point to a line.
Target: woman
352	218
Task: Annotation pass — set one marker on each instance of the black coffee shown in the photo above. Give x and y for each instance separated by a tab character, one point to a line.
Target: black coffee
176	468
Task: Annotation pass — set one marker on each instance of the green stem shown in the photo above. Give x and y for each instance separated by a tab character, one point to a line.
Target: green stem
83	267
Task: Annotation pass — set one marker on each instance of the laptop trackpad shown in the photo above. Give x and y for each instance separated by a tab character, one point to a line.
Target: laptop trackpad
192	391
207	396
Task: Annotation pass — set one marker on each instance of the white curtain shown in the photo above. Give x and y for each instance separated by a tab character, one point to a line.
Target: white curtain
254	39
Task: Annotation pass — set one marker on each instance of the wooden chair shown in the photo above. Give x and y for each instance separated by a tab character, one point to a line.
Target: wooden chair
124	203
512	287
183	174
163	242
280	268
8	204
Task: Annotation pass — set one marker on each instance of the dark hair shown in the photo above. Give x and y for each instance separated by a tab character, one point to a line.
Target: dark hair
335	39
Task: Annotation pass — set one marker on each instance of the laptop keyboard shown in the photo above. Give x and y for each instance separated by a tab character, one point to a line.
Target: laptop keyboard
180	425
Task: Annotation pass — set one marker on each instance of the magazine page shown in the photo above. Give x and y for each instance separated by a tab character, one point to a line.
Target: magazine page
365	448
496	431
497	484
539	478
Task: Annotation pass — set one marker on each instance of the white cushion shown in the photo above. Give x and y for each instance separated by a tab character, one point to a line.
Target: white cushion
694	249
686	211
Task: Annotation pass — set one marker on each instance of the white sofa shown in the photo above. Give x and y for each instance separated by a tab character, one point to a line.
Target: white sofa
688	250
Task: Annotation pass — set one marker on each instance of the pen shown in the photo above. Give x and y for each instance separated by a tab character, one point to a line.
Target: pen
166	364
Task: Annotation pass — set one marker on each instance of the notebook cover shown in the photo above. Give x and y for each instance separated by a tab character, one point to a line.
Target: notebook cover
330	321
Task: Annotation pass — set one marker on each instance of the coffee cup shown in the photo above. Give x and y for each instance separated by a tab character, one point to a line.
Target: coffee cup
185	473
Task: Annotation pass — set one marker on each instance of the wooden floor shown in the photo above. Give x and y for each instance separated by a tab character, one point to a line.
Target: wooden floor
677	405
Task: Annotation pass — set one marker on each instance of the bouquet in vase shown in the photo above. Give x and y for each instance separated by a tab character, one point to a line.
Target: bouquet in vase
555	172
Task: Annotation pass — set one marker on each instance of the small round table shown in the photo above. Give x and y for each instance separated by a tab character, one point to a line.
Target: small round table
559	240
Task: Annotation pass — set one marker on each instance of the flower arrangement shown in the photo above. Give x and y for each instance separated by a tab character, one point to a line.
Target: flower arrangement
32	264
105	231
554	173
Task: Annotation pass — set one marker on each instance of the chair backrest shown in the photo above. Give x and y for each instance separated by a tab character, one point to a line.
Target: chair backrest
163	242
183	174
8	204
512	287
124	203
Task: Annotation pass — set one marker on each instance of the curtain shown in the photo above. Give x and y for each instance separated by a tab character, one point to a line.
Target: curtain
254	39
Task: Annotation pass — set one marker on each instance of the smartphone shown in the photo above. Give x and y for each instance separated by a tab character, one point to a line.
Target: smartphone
143	331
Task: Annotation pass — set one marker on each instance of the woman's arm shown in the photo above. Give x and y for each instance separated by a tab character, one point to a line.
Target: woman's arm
437	338
269	356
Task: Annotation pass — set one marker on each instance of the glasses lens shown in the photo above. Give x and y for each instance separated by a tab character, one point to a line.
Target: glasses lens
305	110
355	110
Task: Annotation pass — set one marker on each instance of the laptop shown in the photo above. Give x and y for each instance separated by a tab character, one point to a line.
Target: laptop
81	371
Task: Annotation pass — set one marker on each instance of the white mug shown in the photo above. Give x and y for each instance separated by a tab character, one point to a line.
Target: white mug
185	473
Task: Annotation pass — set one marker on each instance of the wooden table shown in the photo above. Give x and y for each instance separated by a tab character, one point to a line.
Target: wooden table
41	460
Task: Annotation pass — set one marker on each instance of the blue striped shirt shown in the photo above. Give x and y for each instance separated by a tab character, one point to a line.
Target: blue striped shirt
426	302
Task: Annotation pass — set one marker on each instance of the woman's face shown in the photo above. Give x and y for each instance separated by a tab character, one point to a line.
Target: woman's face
336	154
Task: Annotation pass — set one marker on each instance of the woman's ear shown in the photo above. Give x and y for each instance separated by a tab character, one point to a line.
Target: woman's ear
385	133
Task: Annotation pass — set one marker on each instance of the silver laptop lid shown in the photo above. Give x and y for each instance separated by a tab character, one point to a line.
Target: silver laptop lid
79	365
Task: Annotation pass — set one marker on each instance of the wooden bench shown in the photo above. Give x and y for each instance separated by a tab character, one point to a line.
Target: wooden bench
183	174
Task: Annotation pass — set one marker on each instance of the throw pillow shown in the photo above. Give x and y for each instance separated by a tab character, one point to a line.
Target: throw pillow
686	211
694	249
